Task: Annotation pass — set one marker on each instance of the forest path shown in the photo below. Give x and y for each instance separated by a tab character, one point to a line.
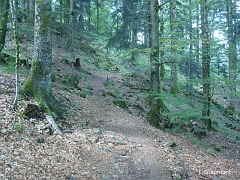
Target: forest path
138	135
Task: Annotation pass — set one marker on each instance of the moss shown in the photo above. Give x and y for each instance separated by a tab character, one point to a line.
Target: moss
28	88
175	89
83	94
44	14
153	117
121	104
54	78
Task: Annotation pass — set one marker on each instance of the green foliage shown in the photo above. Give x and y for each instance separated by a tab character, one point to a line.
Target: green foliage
28	88
173	144
9	67
181	110
18	127
197	141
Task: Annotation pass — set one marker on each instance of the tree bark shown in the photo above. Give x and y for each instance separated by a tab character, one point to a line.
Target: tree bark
98	14
134	34
39	82
190	58
154	104
206	65
81	16
4	9
232	52
161	20
13	7
174	64
31	9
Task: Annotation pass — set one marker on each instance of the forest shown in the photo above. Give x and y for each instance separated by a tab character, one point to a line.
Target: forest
120	89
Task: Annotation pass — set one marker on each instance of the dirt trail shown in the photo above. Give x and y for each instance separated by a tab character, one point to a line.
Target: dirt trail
136	132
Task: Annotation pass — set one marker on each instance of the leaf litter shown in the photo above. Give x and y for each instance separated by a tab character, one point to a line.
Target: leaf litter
107	142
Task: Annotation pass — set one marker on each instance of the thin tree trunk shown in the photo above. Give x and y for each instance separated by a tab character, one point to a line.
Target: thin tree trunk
190	60
162	68
81	17
89	13
70	27
134	35
232	53
174	64
206	64
98	15
14	20
31	9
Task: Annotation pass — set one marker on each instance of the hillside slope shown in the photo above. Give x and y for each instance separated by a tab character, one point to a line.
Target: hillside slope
107	142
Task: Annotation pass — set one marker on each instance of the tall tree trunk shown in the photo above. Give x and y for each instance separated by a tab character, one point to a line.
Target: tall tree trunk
89	12
134	34
31	5
162	68
39	82
13	7
61	11
232	52
4	9
155	105
174	64
81	17
206	64
70	26
190	59
98	14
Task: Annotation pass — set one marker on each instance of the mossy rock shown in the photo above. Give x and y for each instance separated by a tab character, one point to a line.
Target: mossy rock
121	104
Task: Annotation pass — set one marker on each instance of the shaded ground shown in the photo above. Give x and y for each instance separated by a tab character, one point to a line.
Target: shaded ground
107	143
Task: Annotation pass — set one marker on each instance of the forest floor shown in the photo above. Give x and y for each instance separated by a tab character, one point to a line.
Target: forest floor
107	141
